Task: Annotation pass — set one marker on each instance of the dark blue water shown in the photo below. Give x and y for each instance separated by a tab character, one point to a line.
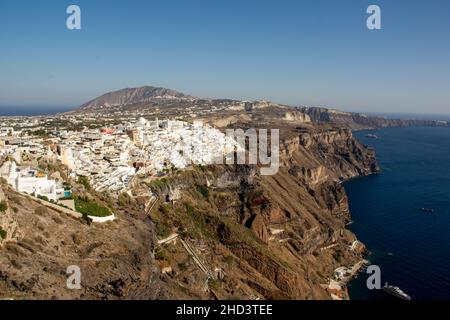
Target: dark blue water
387	216
32	111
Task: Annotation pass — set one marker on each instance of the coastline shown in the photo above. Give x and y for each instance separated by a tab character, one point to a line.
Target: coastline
337	287
387	217
361	265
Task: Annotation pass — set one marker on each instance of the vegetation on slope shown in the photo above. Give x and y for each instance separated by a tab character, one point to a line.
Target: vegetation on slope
87	207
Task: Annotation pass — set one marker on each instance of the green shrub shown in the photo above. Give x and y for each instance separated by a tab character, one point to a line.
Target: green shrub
198	224
161	255
202	168
228	260
337	256
159	183
43	198
3	233
63	206
39	133
203	190
3	206
89	208
163	230
183	267
213	284
164	209
87	219
124	199
190	209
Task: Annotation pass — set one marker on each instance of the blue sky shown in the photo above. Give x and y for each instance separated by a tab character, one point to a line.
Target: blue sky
296	52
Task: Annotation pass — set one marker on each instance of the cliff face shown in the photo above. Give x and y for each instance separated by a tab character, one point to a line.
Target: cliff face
269	236
211	232
359	121
297	116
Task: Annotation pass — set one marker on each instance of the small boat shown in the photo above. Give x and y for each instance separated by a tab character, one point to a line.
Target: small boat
372	136
427	210
396	291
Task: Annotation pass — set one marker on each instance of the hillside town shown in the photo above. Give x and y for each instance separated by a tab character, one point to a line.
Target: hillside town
108	157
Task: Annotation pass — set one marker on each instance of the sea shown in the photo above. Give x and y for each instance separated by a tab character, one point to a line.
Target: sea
411	247
31	111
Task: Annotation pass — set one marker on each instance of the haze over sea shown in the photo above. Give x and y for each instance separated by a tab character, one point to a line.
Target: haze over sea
410	246
31	111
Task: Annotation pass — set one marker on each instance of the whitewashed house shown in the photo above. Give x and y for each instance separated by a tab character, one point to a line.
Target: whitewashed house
31	181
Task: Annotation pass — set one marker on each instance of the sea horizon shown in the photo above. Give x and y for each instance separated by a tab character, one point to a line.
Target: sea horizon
16	111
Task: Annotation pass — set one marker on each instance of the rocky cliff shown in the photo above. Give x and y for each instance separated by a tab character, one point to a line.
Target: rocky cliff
256	236
223	232
360	121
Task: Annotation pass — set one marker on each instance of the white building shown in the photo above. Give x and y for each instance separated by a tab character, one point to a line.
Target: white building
340	273
31	181
6	131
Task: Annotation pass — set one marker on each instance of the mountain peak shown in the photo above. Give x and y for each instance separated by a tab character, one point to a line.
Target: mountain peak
129	96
